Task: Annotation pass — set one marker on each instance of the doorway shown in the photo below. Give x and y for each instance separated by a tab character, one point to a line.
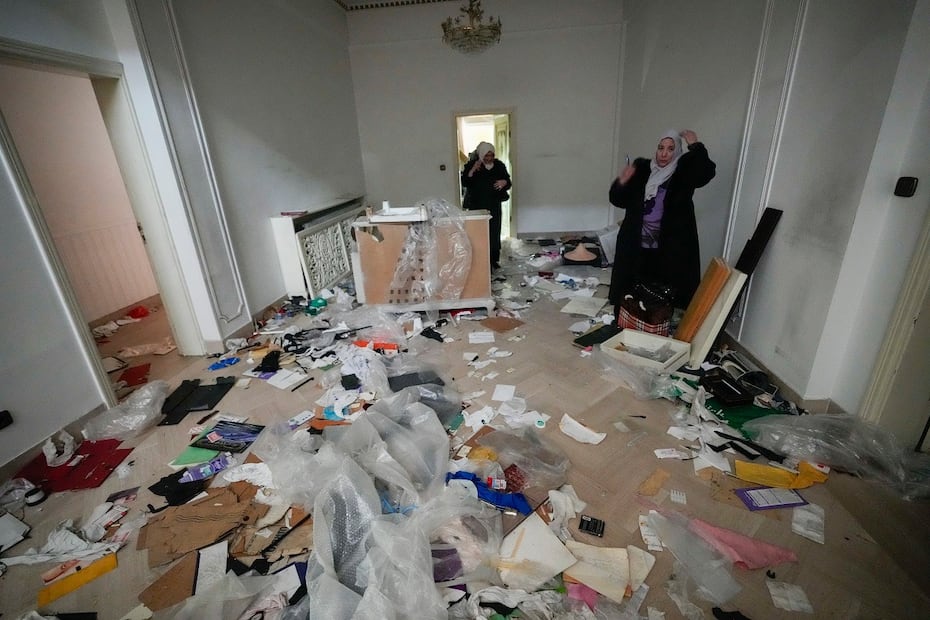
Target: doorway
494	127
55	121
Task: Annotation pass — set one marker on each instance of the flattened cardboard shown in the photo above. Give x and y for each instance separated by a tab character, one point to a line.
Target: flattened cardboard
501	324
174	586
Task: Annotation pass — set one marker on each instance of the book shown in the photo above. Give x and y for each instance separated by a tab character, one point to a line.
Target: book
229	437
768	497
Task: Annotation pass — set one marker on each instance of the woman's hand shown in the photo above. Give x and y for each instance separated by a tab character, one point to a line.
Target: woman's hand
500	184
474	167
626	173
689	136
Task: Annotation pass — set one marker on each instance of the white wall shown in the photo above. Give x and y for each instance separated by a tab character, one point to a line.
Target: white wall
62	142
687	67
556	67
846	63
36	334
885	232
274	97
41	332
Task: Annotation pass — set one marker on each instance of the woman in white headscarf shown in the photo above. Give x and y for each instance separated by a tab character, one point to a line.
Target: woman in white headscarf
658	240
486	181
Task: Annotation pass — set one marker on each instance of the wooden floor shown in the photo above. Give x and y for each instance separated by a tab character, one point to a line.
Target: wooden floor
857	574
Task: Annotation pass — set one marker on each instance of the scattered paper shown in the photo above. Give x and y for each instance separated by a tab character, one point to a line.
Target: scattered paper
578	431
808	521
605	569
480	337
586	306
532	544
789	596
669	453
650	537
503	392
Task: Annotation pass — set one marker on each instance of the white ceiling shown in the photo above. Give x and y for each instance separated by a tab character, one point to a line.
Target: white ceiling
358	5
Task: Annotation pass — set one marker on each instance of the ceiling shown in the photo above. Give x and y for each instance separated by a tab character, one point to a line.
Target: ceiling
358	5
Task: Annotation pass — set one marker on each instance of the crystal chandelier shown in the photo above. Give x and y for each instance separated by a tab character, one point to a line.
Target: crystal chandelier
472	36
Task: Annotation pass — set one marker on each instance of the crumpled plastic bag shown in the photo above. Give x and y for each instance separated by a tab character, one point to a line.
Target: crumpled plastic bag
57	455
130	418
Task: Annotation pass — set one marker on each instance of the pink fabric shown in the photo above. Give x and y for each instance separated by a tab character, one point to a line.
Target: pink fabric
744	551
583	593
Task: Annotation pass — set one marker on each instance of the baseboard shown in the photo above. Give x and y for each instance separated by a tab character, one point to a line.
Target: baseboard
148	302
819	405
9	469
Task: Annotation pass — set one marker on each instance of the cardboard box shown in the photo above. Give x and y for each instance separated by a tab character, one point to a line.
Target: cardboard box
624	345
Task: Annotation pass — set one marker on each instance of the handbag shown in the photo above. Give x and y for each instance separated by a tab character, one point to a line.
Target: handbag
647	308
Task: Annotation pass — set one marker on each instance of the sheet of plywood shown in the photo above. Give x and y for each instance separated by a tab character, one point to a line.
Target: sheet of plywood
710	328
704	297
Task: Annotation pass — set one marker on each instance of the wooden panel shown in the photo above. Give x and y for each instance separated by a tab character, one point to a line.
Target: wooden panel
108	268
707	291
379	260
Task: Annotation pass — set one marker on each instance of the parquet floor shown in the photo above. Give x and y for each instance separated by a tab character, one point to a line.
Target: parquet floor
851	576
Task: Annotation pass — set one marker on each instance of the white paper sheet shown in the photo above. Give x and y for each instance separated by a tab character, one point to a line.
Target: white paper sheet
531	555
578	431
586	306
503	392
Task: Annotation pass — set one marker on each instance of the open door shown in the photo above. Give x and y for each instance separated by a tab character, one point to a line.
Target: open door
494	127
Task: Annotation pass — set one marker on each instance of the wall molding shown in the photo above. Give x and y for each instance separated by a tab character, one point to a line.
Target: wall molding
913	292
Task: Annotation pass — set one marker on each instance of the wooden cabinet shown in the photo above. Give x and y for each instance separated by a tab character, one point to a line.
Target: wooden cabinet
380	246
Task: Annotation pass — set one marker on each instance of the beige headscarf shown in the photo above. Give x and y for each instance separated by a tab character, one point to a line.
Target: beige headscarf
658	175
483	149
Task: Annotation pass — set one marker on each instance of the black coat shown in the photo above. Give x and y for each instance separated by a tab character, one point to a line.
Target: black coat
479	188
678	254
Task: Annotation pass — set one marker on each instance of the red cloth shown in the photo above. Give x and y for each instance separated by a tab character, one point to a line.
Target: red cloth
139	312
100	459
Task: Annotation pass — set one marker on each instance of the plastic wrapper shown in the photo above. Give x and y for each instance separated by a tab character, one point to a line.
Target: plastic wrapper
13	494
543	465
139	412
420	267
57	453
646	383
846	443
297	461
361	442
415	438
465	537
709	569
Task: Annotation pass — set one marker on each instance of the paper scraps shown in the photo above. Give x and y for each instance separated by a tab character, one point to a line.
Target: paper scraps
578	431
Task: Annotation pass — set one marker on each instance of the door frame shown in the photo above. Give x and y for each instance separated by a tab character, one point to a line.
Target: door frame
138	177
913	294
511	115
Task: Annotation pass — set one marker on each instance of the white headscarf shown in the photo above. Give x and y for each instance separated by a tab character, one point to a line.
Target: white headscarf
483	149
658	175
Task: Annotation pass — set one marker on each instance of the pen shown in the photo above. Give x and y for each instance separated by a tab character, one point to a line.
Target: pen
207	417
294	389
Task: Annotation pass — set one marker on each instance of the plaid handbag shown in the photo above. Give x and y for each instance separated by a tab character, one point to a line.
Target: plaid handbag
647	308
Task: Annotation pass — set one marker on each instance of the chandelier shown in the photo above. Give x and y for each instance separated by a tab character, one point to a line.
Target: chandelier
472	36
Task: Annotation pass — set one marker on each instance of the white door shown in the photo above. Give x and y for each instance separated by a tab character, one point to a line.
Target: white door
898	399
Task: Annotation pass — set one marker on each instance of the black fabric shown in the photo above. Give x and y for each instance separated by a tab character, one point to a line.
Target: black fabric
191	396
480	194
677	261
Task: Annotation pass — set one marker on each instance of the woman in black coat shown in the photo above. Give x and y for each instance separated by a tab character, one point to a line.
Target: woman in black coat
486	181
658	239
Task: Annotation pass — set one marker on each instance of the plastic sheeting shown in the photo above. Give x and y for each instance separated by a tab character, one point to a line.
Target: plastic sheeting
419	267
